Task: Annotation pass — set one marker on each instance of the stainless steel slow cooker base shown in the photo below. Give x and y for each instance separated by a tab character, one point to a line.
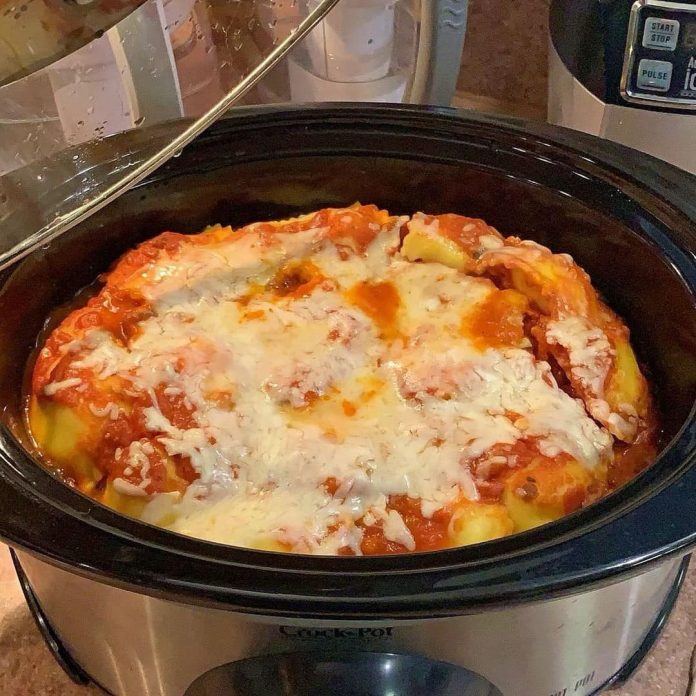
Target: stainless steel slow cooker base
135	645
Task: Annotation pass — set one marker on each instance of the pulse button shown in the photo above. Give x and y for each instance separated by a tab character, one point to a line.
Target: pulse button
661	33
654	75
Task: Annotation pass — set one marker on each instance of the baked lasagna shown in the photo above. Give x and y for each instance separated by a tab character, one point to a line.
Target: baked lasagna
344	382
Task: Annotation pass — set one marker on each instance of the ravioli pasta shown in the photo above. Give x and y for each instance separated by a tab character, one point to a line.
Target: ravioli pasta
344	382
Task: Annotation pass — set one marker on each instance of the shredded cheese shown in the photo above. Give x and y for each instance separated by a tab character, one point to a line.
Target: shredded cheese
269	425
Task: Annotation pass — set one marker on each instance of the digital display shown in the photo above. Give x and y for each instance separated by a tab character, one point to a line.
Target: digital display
689	36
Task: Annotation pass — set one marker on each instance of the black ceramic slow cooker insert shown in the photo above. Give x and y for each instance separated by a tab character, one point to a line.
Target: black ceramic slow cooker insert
626	218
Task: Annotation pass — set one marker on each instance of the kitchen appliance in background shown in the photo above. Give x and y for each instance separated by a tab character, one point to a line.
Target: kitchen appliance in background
626	70
373	51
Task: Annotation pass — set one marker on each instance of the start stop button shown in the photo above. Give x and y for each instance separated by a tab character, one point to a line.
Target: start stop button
660	33
654	75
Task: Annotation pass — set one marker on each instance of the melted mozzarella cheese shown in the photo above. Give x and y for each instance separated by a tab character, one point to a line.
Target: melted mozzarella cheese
588	349
320	394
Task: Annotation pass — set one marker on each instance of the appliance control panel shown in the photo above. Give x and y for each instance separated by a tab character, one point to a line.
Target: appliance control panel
659	67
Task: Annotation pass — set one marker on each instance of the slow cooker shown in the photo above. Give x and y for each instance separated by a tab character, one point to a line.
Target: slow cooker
564	609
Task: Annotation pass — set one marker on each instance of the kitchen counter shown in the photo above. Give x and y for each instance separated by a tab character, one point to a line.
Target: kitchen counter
28	669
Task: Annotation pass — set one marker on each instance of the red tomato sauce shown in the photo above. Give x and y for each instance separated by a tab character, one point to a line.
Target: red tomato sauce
112	310
381	302
109	447
630	460
498	321
465	231
296	279
491	476
137	260
357	227
428	533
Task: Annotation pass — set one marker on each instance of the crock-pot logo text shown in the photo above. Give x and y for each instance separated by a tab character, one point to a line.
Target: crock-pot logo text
334	633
